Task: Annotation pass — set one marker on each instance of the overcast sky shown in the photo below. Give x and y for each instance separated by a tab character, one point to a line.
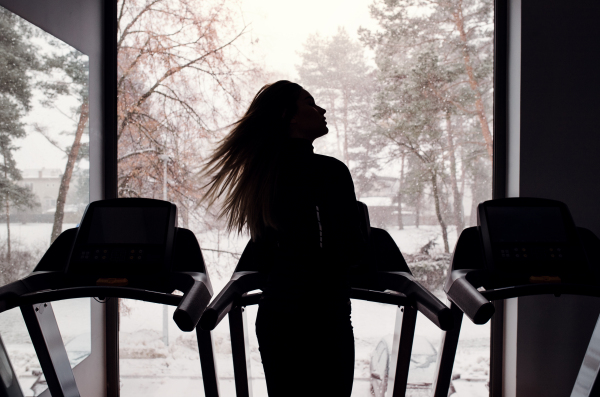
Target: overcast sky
282	26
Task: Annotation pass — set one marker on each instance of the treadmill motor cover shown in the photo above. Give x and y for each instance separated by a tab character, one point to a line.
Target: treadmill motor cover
118	241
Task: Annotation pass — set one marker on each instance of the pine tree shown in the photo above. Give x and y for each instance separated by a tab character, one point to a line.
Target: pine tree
16	61
335	72
434	66
73	81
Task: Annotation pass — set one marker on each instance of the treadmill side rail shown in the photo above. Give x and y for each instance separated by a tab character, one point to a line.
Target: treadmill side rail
447	354
588	382
240	352
9	384
208	364
50	349
404	333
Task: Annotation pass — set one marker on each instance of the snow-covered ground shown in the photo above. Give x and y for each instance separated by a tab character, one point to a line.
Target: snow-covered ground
30	234
149	368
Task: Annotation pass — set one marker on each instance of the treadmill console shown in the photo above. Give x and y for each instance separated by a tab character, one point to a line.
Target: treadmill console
123	237
533	237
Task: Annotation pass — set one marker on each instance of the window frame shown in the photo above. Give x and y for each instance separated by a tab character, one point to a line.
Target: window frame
91	28
103	147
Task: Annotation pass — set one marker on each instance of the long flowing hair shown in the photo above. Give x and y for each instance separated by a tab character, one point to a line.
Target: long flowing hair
244	166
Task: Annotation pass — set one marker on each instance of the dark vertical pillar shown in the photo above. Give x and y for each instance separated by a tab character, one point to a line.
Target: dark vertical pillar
109	98
109	175
112	347
497	349
560	142
500	98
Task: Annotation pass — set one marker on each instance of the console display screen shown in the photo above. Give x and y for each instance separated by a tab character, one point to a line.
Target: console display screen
526	224
128	225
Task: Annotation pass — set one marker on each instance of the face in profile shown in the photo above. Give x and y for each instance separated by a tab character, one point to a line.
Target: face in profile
309	121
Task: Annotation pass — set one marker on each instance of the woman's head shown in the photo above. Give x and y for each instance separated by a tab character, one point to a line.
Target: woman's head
244	166
271	110
309	119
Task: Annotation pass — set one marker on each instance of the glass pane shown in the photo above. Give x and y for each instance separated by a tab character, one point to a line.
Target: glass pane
472	366
148	365
408	91
44	170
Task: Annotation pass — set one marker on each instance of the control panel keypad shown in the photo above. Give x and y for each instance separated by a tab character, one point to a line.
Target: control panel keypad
112	254
531	252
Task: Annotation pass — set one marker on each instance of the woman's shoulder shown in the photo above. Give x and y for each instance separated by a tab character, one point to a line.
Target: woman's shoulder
331	163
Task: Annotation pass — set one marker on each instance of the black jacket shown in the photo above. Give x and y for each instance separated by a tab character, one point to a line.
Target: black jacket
318	237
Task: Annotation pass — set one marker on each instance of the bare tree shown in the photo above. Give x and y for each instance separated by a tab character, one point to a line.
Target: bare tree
181	78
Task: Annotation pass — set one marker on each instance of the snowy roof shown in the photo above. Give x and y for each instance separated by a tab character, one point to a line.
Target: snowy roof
377	201
41	173
383	186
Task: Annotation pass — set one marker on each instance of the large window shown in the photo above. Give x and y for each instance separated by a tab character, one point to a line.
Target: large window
407	86
44	169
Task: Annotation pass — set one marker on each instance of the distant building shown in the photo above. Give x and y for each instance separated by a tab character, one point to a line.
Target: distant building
384	186
382	200
44	183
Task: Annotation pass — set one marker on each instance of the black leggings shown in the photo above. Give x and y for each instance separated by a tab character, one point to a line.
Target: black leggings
306	349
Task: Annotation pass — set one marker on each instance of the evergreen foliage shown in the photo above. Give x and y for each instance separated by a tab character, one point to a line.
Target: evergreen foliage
334	70
434	65
67	75
17	60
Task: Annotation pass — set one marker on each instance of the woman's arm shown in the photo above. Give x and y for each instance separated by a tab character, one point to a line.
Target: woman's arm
342	236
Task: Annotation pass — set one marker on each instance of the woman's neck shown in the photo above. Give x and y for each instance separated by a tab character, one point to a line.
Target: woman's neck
300	144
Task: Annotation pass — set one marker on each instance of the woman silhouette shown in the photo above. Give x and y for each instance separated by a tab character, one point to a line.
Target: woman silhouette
300	209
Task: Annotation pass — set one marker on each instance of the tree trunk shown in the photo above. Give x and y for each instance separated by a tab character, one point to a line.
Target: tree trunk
400	221
333	117
66	178
185	215
7	207
474	199
438	212
418	210
7	231
345	123
458	207
485	129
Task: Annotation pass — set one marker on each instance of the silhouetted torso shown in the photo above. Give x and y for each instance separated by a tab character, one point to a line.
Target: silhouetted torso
318	237
303	324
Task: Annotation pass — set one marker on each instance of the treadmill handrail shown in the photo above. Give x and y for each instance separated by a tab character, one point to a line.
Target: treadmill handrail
541	289
52	295
424	301
196	289
401	282
240	283
10	293
194	301
461	288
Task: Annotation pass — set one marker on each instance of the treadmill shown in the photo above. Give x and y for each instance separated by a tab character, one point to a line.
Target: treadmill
9	384
123	248
387	280
520	247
